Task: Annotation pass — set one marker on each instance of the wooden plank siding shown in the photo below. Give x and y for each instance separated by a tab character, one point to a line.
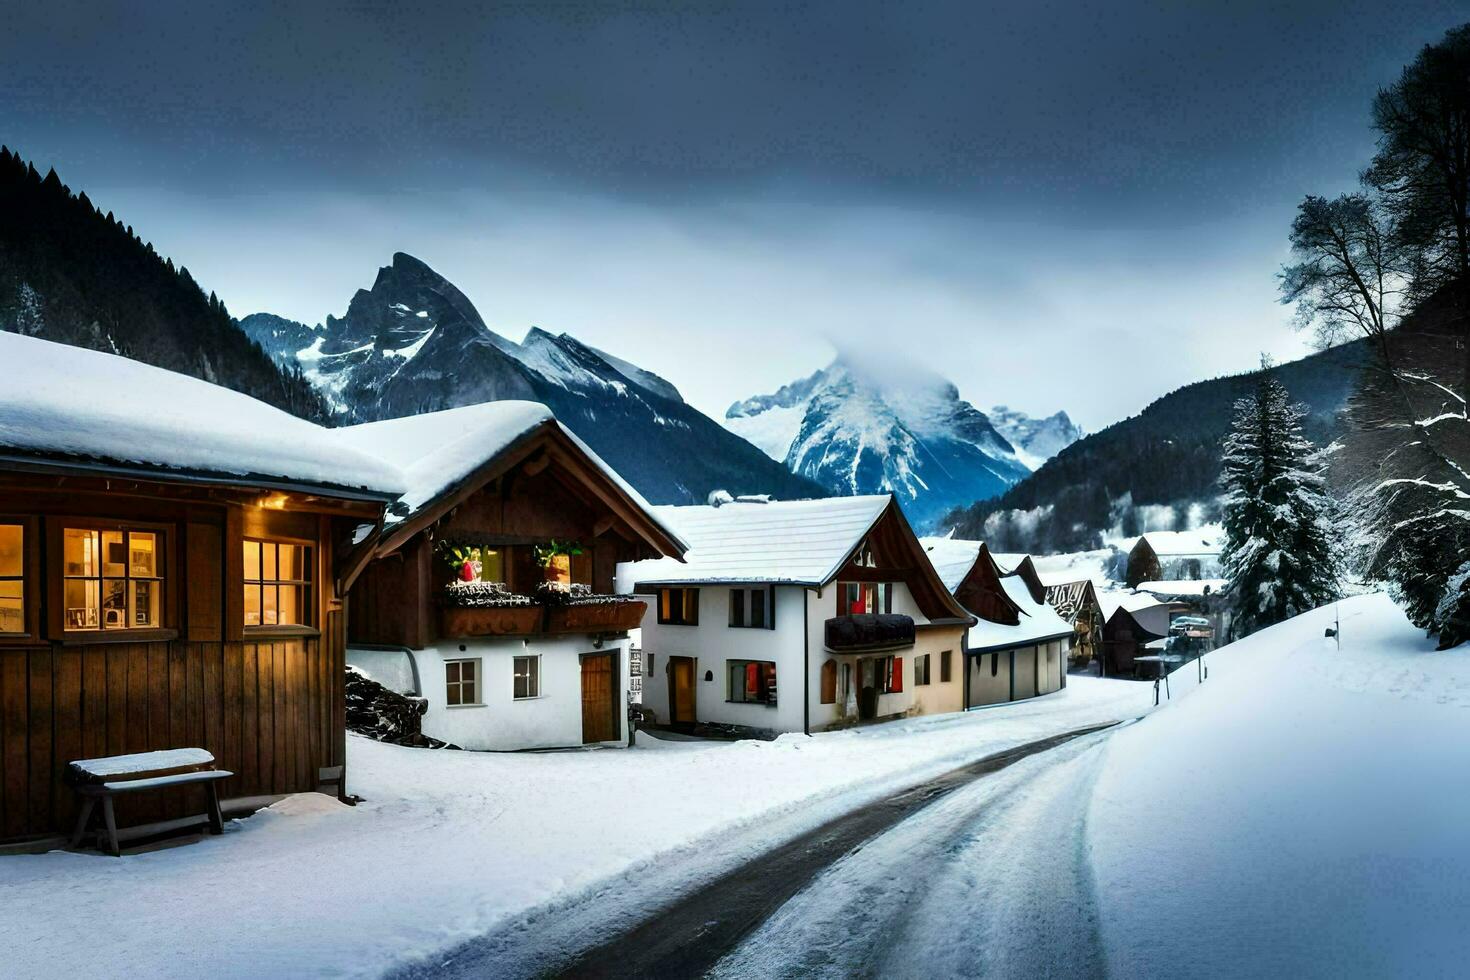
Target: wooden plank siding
56	701
270	705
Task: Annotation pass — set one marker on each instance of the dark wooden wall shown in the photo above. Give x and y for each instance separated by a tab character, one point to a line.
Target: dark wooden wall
263	709
271	708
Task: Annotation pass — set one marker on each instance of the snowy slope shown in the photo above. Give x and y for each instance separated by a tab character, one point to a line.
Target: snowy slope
1306	806
862	426
414	343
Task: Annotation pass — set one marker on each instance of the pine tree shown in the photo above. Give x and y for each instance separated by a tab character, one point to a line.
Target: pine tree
1277	555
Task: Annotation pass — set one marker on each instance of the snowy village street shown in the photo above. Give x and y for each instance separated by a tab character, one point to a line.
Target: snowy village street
1220	835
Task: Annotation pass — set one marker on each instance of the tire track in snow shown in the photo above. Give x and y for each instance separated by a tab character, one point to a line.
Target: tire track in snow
990	881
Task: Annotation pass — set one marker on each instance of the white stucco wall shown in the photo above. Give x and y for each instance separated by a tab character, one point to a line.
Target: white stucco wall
714	642
500	722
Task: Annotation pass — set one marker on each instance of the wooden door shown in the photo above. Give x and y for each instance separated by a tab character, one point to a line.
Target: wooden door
681	690
599	700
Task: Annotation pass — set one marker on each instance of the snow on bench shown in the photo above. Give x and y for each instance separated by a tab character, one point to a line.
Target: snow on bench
140	764
98	780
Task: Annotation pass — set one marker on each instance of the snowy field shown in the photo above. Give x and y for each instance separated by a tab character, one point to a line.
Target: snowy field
1304	813
449	844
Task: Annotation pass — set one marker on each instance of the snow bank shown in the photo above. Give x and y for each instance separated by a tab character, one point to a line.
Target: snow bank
1303	813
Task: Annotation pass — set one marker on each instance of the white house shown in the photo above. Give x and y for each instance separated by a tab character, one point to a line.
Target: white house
1019	646
490	590
796	616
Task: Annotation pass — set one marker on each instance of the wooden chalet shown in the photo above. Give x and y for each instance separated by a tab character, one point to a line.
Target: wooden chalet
538	638
175	560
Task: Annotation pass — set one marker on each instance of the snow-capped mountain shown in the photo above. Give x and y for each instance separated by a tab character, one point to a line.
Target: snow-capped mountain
864	425
414	343
1036	440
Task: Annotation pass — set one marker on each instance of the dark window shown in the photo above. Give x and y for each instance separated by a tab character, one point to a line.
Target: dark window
277	584
944	666
461	682
921	670
860	598
752	681
678	607
750	608
527	672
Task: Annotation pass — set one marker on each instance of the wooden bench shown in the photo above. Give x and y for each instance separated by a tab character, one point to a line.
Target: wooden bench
99	780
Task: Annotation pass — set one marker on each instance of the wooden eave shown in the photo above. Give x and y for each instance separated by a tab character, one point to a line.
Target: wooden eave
546	437
919	566
35	475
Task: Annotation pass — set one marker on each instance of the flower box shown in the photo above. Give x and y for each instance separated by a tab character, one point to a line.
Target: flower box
597	617
489	621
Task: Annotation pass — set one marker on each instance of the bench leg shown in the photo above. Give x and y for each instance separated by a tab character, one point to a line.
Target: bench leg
88	802
216	818
111	820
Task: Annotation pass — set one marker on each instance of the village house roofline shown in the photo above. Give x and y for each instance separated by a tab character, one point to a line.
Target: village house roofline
66	407
448	456
813	539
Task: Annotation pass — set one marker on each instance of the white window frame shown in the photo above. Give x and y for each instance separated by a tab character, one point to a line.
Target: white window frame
535	674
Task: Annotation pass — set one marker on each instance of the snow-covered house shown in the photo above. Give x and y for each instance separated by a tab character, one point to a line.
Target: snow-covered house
175	558
796	616
493	577
1019	646
1134	623
1161	555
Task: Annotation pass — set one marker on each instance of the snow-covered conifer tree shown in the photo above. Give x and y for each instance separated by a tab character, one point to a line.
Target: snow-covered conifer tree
1278	551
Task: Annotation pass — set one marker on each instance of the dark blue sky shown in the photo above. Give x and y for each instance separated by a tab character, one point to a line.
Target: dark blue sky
1057	204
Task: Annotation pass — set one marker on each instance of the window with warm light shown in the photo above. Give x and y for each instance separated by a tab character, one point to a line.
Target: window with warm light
277	584
12	578
112	579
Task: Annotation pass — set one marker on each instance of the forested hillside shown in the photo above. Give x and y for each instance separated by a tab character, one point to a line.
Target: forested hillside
71	274
1167	454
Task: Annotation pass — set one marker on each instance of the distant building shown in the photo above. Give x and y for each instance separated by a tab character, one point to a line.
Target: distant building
1020	646
1174	555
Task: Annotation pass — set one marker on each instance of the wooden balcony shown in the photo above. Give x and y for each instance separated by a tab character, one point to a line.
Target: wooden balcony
457	622
869	633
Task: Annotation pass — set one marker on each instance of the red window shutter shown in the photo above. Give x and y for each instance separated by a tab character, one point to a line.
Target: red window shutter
752	679
897	684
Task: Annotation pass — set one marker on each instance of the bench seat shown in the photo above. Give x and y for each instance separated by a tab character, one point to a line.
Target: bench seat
99	780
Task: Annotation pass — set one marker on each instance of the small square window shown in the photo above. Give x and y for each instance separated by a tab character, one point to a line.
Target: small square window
461	682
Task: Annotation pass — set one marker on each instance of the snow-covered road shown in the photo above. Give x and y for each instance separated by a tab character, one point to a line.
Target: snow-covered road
989	881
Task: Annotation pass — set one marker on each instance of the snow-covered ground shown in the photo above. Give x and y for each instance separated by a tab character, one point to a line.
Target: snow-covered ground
1301	813
1306	812
449	844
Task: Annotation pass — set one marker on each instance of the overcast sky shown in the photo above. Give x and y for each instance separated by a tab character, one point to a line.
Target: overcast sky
1057	205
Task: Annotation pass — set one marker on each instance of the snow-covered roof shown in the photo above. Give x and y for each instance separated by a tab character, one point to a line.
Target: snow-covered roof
1111	601
799	542
952	558
1183	587
84	405
1174	544
1008	561
1039	621
437	450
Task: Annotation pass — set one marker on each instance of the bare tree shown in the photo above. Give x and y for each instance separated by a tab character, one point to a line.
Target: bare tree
1422	174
